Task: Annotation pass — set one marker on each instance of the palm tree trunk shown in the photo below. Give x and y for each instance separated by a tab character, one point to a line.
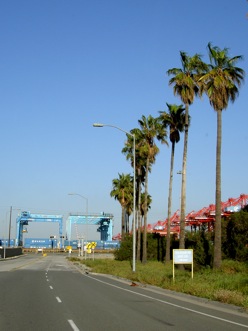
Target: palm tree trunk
122	222
138	256
167	256
144	255
183	188
217	236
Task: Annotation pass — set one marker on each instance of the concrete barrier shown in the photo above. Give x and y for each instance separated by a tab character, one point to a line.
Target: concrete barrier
10	252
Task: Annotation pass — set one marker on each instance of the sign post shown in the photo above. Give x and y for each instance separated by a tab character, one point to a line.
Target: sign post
182	256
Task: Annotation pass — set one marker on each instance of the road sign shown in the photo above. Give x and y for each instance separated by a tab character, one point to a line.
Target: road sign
182	256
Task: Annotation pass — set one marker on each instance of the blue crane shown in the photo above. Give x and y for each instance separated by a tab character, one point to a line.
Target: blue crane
27	217
104	220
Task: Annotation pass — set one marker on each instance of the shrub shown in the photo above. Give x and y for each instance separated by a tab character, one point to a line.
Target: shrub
201	243
125	252
235	236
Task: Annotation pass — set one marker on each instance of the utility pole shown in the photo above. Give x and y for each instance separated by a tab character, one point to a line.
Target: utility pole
10	217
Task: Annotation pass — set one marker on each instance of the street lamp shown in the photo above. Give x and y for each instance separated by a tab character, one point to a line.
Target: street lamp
10	222
86	199
100	125
10	217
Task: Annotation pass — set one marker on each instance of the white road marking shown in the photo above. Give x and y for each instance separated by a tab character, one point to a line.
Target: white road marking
171	304
58	299
73	325
51	287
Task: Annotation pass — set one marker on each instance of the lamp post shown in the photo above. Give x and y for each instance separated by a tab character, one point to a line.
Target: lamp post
10	222
10	217
86	199
99	125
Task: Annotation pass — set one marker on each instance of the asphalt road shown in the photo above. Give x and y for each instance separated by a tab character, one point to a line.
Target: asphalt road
50	293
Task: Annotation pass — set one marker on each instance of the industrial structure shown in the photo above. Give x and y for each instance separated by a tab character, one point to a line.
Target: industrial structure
195	219
104	222
26	217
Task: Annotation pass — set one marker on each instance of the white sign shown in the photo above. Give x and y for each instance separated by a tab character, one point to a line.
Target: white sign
183	256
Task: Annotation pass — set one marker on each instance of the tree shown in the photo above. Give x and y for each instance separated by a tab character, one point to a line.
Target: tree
185	86
175	119
151	129
122	190
235	236
220	83
144	205
139	175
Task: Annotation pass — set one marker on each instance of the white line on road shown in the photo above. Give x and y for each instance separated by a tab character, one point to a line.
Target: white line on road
51	287
58	299
73	325
171	304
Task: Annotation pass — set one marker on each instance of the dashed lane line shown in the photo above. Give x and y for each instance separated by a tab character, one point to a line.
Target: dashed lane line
73	325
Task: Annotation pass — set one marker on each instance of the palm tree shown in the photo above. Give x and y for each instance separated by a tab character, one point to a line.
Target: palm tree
142	203
128	212
122	190
175	119
151	128
220	83
139	175
185	86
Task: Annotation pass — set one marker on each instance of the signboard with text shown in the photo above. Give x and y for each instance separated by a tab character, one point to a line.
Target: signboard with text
182	256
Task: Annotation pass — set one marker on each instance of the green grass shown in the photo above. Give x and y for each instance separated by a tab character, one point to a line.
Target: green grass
228	284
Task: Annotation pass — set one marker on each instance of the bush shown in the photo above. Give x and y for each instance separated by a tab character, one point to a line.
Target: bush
234	242
235	236
125	252
202	244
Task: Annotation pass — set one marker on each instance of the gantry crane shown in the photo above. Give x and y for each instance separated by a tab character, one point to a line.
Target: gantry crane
26	217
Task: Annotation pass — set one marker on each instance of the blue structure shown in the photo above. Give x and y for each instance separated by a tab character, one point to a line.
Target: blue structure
105	222
100	245
27	217
41	243
6	243
35	243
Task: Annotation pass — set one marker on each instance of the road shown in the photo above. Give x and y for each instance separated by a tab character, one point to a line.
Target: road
49	293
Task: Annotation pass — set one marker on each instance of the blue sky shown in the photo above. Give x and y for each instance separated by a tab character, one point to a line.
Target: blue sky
66	64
